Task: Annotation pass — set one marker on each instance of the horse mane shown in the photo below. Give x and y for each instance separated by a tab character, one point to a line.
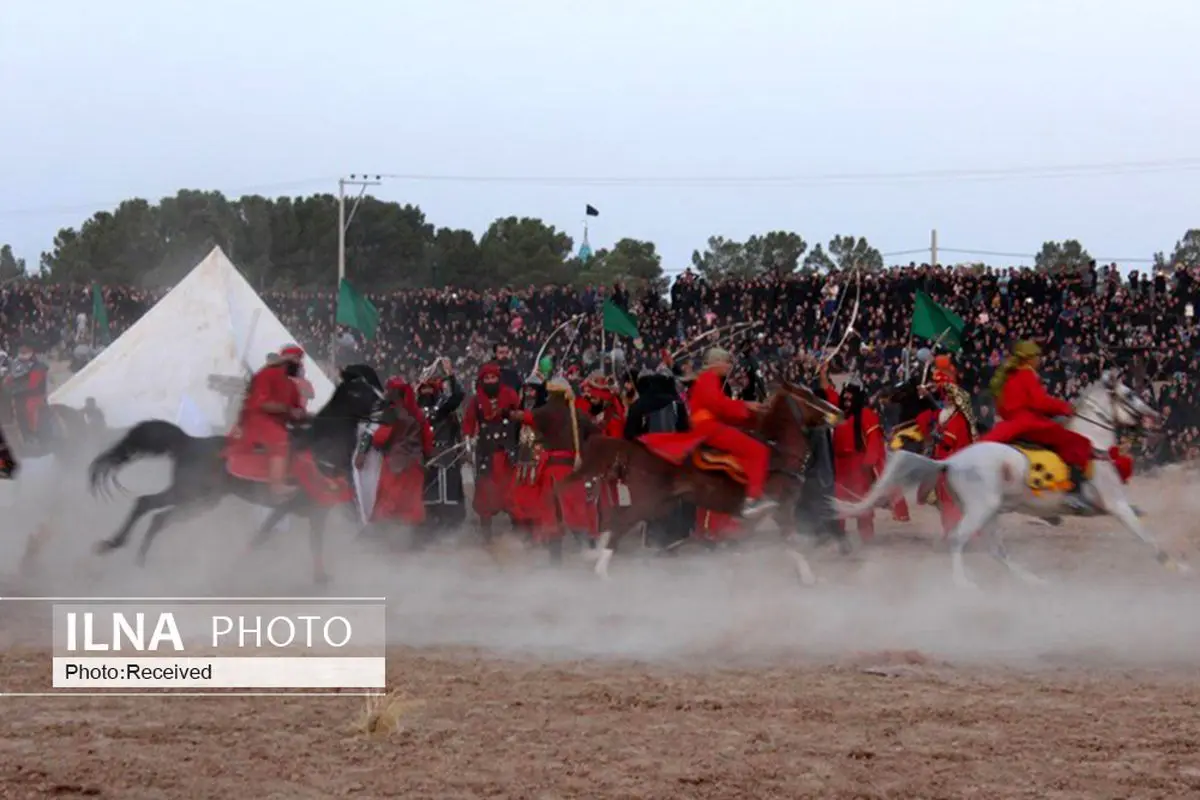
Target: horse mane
348	375
363	372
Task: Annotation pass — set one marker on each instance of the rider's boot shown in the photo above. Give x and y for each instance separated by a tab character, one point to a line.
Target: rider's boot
1075	499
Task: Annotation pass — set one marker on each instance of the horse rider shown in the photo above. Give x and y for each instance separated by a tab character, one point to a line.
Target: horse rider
488	421
406	440
858	447
439	399
659	409
272	401
714	415
1026	414
950	427
26	386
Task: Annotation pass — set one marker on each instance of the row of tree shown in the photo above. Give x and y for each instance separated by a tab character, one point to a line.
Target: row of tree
292	243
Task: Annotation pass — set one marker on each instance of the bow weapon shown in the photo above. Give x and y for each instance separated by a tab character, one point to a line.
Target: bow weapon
429	370
829	356
735	329
538	359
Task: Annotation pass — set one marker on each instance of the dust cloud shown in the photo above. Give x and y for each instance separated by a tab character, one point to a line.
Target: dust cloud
1107	603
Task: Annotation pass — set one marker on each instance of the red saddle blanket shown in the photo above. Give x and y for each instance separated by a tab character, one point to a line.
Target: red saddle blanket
673	447
677	447
250	464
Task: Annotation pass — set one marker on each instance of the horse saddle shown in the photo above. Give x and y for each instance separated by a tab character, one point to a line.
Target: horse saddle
250	462
1047	471
709	460
908	437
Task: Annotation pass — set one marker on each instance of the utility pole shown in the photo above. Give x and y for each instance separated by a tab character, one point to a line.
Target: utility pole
361	181
933	248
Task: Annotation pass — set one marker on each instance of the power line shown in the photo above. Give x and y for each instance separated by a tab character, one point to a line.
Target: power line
1067	171
1000	254
789	181
82	208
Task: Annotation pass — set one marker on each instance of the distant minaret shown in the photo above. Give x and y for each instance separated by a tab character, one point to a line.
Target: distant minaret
585	249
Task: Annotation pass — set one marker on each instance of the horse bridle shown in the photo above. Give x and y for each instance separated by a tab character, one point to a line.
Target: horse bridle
798	415
1115	402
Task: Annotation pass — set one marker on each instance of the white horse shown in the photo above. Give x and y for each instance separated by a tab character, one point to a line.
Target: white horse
989	479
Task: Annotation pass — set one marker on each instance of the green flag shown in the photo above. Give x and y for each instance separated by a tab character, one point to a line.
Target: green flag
937	323
618	321
356	311
100	332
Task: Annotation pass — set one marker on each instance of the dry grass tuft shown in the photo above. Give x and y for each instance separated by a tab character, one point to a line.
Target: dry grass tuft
382	712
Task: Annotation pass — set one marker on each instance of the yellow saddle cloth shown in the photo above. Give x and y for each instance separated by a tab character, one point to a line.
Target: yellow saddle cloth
1047	471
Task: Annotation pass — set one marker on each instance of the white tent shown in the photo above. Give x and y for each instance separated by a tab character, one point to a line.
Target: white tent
211	329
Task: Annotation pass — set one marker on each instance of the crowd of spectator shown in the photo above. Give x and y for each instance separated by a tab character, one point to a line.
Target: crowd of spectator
1085	320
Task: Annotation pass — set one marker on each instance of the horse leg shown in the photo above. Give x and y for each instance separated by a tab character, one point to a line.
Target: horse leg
621	520
179	513
973	520
1120	508
143	506
316	528
268	526
785	518
1000	553
157	523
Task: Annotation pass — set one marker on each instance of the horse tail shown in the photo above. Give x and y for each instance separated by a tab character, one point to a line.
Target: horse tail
155	437
904	470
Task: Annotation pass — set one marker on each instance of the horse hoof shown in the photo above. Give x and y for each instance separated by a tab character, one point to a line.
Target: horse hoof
602	564
803	570
104	547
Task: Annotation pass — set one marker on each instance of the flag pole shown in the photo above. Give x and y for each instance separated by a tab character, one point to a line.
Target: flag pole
361	181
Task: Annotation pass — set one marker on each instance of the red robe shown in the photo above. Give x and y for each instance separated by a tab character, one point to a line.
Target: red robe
1025	410
855	470
949	437
492	490
401	493
29	394
554	467
265	429
713	415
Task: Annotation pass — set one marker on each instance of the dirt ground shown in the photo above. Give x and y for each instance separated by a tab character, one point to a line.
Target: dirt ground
706	676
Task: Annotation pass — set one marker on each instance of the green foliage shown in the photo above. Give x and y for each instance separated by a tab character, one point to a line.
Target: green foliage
632	261
1068	256
292	243
853	252
1187	250
776	252
11	267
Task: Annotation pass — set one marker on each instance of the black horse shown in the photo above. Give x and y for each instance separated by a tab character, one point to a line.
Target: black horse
200	479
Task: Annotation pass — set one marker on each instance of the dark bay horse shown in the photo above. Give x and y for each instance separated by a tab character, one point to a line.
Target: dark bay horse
200	478
656	485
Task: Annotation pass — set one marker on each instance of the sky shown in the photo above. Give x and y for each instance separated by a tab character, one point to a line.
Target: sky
984	120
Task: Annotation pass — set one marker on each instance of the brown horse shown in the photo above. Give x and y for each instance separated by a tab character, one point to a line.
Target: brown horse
708	478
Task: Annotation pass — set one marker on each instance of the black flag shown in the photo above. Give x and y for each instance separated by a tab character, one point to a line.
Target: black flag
592	212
